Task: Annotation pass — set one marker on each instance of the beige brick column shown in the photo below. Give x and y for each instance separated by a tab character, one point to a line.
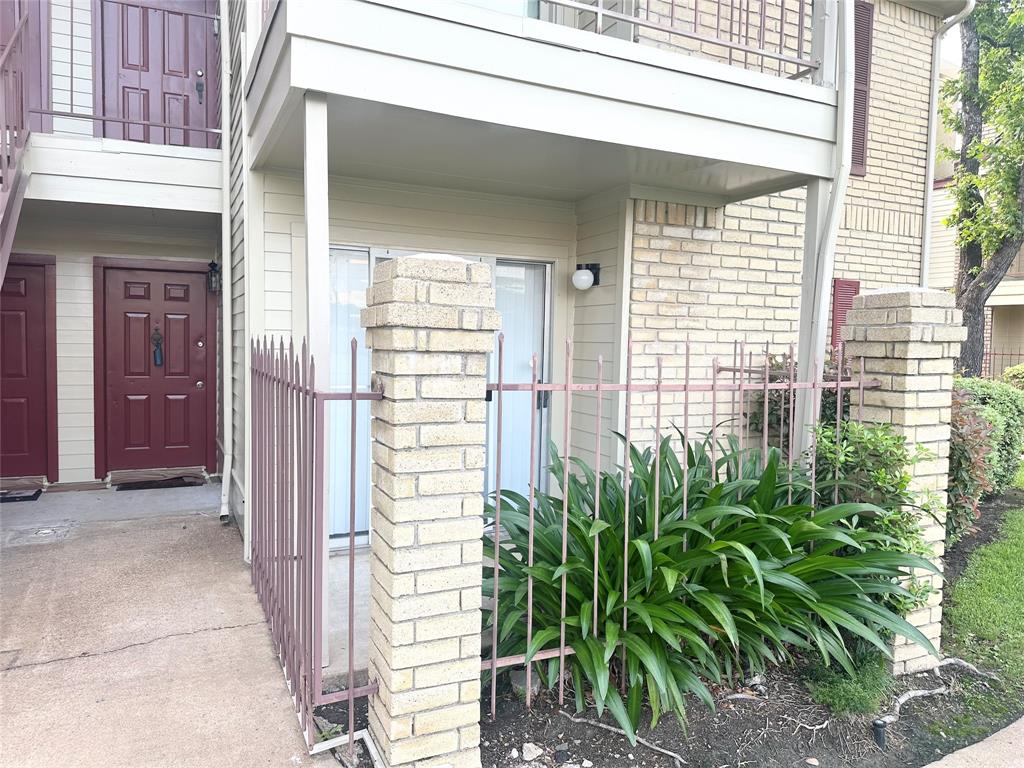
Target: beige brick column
431	323
909	339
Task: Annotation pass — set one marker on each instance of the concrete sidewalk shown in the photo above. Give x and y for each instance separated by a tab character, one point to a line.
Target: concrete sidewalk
1003	749
131	636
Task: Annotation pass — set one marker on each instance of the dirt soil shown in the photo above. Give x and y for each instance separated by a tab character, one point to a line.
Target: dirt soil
774	726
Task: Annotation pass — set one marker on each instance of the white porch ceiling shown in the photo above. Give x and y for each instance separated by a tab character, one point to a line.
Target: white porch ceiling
391	143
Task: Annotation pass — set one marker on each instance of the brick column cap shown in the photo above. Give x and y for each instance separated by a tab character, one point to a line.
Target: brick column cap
432	292
903	296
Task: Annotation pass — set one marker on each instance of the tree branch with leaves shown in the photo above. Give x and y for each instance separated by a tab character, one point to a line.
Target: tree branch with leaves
985	106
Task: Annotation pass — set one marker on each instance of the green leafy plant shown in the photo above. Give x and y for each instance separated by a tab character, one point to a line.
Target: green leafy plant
1003	407
738	576
871	463
970	454
861	693
1014	376
779	401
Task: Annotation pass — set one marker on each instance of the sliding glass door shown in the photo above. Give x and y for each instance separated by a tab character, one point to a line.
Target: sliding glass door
522	295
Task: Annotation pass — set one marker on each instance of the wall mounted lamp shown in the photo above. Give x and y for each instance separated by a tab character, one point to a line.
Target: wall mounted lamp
585	276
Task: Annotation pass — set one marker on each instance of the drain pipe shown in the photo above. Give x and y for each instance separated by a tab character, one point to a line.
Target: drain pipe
227	327
933	119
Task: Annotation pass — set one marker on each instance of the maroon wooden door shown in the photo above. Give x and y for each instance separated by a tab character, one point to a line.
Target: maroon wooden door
156	349
23	383
160	68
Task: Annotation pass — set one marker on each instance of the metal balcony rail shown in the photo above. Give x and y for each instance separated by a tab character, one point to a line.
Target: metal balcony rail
289	533
13	115
719	408
767	36
132	71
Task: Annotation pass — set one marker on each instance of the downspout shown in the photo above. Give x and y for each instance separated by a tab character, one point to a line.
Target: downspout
227	335
933	105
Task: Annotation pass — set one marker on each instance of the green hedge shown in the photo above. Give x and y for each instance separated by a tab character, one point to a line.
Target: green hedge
1002	405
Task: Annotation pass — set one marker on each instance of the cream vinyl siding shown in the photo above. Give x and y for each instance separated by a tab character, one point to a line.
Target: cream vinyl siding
943	257
239	340
600	239
380	214
409	218
75	243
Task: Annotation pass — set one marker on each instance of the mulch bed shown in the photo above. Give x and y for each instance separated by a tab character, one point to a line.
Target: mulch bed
781	727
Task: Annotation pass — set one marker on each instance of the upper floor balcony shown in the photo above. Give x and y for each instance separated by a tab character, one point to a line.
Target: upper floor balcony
705	101
115	101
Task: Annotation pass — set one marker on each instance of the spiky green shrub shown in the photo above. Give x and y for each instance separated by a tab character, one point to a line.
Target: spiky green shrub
738	582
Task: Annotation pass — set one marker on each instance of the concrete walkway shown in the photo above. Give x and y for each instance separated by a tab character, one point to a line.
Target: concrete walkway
130	636
1003	749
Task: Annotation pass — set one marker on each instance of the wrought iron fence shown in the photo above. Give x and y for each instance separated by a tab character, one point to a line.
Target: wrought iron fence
998	360
289	530
721	405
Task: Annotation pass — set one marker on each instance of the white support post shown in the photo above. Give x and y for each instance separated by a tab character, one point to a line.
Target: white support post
834	20
824	42
318	279
318	241
818	267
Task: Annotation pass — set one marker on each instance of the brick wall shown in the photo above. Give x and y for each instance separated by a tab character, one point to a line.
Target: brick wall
716	276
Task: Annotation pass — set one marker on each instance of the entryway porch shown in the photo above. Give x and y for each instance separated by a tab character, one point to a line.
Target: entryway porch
132	636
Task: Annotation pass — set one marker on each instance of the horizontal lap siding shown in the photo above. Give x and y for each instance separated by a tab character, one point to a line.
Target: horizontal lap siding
365	213
239	342
943	255
596	324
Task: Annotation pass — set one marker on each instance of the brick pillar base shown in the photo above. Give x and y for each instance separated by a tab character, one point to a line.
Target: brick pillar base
431	323
909	339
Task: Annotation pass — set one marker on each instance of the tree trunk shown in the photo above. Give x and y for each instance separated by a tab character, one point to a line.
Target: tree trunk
970	261
972	352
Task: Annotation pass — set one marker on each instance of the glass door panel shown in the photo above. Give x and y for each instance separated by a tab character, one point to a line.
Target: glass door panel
350	277
522	297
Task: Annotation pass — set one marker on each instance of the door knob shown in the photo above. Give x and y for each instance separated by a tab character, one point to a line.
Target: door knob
200	85
200	385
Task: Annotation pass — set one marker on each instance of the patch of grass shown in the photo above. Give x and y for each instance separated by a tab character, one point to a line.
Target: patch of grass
863	693
1018	481
987	610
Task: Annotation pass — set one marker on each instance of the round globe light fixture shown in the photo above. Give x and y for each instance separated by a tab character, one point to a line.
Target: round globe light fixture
586	276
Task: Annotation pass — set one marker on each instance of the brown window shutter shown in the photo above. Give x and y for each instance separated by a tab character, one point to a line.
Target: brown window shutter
843	292
863	25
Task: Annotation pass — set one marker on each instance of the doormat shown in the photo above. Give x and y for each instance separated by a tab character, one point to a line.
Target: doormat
149	485
12	496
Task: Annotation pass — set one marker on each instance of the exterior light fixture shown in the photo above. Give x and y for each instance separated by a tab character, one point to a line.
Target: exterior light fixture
585	276
213	283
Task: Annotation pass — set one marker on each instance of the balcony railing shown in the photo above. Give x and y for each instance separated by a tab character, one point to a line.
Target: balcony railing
771	36
127	70
13	117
